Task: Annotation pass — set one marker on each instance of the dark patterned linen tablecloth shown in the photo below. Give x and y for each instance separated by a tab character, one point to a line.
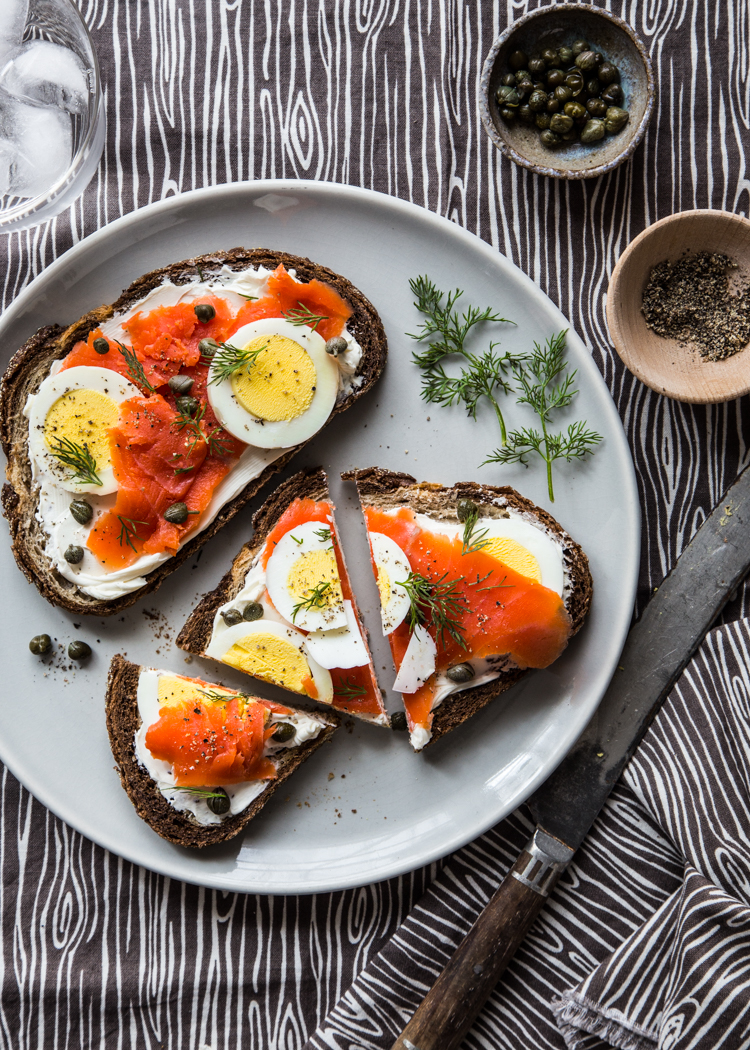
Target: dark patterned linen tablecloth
382	94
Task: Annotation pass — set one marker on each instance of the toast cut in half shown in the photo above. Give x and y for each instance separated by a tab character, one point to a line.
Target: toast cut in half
139	430
477	586
285	612
192	794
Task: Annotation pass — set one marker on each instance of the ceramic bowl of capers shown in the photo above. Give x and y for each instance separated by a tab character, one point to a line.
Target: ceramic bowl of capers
567	91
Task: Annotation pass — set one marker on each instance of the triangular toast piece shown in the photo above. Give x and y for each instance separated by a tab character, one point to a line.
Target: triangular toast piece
285	612
477	586
199	799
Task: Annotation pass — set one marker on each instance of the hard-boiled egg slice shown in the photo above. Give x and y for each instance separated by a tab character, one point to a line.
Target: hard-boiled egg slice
525	549
302	578
392	566
285	392
418	663
343	647
274	653
70	419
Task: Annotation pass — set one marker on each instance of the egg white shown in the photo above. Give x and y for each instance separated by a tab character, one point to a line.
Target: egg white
82	377
288	432
341	648
390	558
292	546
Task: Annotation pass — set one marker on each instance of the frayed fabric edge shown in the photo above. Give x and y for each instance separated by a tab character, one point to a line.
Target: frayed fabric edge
575	1015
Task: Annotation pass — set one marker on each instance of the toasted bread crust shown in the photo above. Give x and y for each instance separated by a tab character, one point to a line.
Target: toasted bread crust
31	364
385	488
123	722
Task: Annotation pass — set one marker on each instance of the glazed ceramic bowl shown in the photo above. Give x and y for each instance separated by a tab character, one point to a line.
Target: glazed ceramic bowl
667	366
553	27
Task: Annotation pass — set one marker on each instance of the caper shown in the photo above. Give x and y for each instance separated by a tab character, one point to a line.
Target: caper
219	802
553	104
537	100
252	611
596	107
592	131
586	61
101	346
579	47
550	57
550	139
73	554
82	511
526	113
284	731
507	96
542	121
398	721
563	94
539	85
612	95
508	79
460	673
525	87
176	513
181	384
565	55
574	110
607	73
79	650
570	136
40	644
465	509
537	65
231	617
187	405
208	347
615	119
517	60
508	114
555	78
204	312
575	82
593	87
561	124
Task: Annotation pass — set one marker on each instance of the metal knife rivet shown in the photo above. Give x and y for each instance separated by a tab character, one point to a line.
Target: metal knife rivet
478	969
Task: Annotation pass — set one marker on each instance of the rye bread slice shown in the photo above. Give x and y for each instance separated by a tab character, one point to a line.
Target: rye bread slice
387	489
31	364
196	633
124	721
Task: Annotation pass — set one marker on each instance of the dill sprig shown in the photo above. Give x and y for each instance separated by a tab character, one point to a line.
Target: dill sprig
135	368
128	529
303	315
537	376
214	694
192	424
229	359
217	443
349	688
473	541
436	602
316	599
76	458
324	535
446	331
200	792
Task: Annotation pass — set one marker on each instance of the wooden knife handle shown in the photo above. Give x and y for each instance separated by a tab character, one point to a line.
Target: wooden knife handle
450	1007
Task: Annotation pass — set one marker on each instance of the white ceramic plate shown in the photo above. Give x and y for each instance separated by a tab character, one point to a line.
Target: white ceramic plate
364	807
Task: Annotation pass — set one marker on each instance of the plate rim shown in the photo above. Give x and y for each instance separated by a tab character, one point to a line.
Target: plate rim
395	866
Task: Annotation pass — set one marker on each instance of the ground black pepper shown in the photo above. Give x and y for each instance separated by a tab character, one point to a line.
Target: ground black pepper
690	300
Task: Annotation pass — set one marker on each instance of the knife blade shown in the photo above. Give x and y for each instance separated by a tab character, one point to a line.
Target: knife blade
656	651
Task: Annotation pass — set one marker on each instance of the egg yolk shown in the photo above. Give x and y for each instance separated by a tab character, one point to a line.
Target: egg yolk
384	585
279	383
512	554
271	658
314	580
173	691
86	418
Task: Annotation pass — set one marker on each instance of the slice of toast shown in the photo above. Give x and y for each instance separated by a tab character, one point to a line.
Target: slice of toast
385	491
182	827
355	689
33	362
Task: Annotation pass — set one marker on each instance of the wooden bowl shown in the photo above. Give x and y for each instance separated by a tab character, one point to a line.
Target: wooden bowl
665	365
551	27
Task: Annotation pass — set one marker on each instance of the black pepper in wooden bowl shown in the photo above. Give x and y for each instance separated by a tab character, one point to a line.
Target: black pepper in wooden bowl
691	301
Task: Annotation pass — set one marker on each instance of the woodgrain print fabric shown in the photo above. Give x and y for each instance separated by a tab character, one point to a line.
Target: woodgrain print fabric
379	94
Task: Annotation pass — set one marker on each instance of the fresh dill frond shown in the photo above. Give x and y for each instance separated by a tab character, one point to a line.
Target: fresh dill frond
324	535
250	298
215	695
316	599
546	389
297	539
128	529
438	603
229	359
200	792
77	459
496	586
349	688
473	541
135	368
218	443
192	424
302	315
